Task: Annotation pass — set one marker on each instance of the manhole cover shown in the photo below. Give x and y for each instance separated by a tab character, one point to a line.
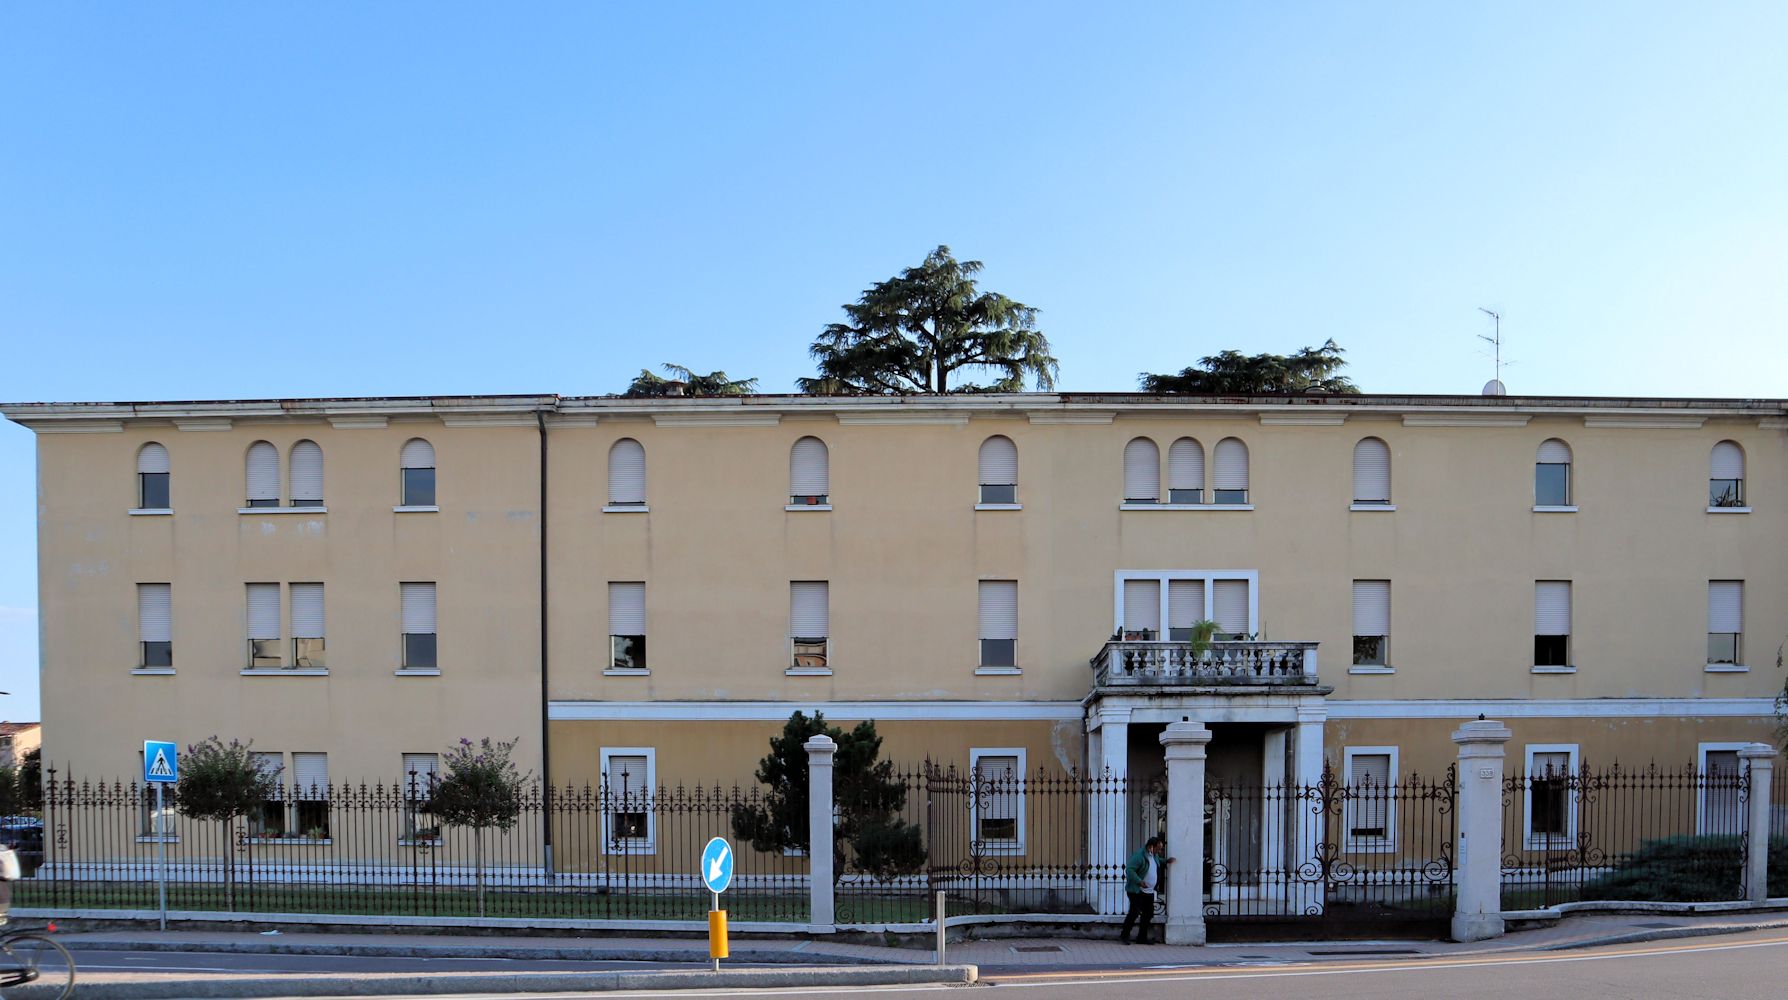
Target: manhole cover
1657	925
1036	947
1367	951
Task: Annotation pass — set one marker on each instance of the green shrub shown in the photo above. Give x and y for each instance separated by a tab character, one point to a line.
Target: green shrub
1687	870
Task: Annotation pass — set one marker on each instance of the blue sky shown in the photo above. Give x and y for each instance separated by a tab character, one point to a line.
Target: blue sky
228	201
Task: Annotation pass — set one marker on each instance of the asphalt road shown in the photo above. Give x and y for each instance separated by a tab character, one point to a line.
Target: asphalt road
212	963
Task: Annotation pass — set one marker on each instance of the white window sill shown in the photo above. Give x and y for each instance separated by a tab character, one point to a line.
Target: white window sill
1548	509
1550	841
282	510
418	842
417	671
1728	668
808	506
999	671
808	672
415	509
169	511
1370	845
1361	505
284	671
294	841
153	672
1710	510
626	508
999	506
1185	506
152	839
1372	668
629	850
625	672
1554	670
1002	846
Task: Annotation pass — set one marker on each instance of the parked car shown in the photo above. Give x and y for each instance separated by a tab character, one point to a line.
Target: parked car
22	833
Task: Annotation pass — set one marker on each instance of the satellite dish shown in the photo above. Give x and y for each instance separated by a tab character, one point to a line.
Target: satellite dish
1494	387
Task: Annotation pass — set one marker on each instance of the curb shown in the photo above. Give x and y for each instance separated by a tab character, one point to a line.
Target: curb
1662	934
437	984
534	953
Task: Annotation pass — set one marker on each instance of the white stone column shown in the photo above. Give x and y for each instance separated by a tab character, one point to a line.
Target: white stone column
1272	820
1762	760
1307	826
822	912
1477	915
1109	812
1184	744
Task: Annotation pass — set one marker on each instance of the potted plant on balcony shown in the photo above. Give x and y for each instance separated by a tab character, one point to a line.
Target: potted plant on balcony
1202	631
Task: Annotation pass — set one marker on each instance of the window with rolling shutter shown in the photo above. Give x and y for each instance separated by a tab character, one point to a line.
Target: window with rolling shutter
998	618
423	768
1185	471
419	640
420	773
627	797
1371	803
999	470
627	626
310	795
1551	819
1371	471
627	474
999	800
1722	798
263	475
1229	474
1142	610
1185	608
1229	608
1551	623
308	625
1725	622
155	624
1142	472
263	626
1726	475
809	624
307	474
270	818
1552	475
417	462
1371	622
809	474
152	477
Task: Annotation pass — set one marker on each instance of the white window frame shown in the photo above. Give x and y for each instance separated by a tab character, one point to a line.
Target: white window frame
1210	578
1371	845
650	844
1540	842
1023	799
1701	752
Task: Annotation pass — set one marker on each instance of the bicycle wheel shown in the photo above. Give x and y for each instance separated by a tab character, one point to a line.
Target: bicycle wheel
45	966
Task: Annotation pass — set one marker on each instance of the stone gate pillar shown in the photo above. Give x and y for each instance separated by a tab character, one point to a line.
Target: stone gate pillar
1184	746
1478	912
1762	760
822	912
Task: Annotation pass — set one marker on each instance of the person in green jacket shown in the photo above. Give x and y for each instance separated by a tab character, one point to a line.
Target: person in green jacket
1142	879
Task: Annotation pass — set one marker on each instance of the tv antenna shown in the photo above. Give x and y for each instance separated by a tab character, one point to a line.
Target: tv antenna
1494	387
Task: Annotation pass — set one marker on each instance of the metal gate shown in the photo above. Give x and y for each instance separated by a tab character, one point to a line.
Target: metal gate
1337	858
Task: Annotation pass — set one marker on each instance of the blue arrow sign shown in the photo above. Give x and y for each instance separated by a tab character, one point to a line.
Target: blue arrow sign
161	762
717	865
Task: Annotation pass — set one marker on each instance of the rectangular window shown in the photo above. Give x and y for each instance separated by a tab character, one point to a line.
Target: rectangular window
1552	484
1371	622
1229	608
270	821
1722	810
307	625
1371	798
629	778
263	626
998	799
627	626
1725	621
418	601
310	795
1180	599
419	488
155	625
152	491
1551	796
999	493
1185	607
809	625
1725	493
998	615
1142	610
1552	623
417	783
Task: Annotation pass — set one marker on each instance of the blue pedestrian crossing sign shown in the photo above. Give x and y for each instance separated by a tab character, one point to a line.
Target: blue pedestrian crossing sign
717	865
161	762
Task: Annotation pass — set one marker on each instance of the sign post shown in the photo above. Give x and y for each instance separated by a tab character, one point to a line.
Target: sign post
717	874
161	766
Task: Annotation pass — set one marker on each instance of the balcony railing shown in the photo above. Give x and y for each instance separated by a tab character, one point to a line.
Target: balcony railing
1150	663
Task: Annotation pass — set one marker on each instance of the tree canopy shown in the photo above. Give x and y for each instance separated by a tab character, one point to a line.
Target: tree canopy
684	382
912	333
1312	369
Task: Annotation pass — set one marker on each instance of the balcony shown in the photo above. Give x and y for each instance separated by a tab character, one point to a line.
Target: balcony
1132	663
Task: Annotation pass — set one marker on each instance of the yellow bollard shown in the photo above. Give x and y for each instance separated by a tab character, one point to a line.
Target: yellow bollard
717	935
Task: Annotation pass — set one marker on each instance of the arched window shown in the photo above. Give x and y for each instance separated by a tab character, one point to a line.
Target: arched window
809	475
152	477
1725	476
627	474
1552	475
1371	472
307	474
999	470
418	464
1142	472
1229	478
263	475
1185	471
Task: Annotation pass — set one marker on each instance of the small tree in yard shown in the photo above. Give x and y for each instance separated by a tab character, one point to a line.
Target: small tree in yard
31	780
866	795
479	788
219	782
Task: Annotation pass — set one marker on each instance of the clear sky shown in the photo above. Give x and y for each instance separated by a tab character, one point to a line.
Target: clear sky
252	200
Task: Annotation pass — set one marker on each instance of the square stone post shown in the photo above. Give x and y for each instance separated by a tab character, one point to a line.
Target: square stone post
1762	760
822	913
1108	813
1307	826
1478	913
1184	744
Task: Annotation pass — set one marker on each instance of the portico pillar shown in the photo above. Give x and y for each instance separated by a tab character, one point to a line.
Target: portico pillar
1307	826
1184	746
1272	820
1108	812
1477	915
1762	760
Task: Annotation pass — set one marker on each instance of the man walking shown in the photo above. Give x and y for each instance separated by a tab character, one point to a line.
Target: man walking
1142	876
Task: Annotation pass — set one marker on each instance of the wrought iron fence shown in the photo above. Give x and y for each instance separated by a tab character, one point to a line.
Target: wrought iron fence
1583	833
